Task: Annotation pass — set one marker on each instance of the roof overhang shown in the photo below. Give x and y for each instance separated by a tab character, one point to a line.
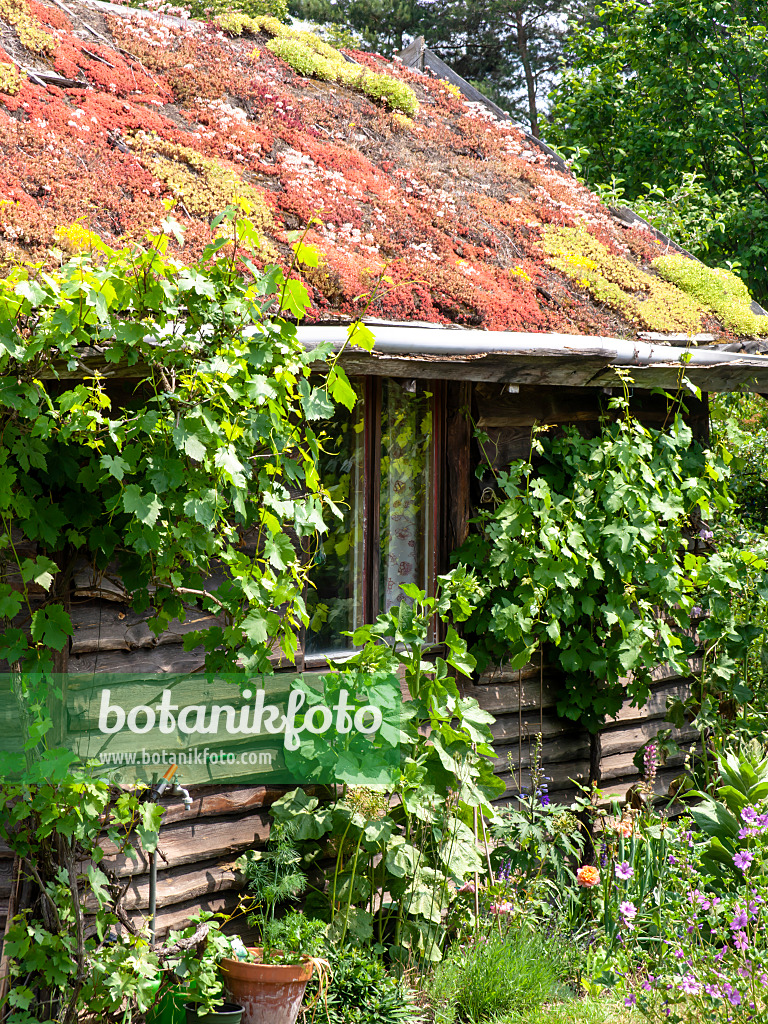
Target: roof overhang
433	353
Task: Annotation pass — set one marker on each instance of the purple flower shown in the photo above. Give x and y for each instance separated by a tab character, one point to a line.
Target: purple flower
624	871
743	860
706	534
689	985
741	941
630	1000
740	921
672	860
628	912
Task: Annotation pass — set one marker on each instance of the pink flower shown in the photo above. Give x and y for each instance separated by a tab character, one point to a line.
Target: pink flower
501	908
743	860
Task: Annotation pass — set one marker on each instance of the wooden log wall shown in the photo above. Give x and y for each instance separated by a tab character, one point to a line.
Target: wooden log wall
523	703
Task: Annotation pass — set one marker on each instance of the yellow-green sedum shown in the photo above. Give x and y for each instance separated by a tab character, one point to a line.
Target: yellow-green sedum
641	297
314	58
717	290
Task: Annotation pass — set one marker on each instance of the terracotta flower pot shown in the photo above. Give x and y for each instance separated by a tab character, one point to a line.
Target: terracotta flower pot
268	993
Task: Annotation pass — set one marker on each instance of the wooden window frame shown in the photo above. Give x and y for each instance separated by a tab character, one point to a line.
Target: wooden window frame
436	556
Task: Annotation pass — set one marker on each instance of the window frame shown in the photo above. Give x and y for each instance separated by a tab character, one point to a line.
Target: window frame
371	388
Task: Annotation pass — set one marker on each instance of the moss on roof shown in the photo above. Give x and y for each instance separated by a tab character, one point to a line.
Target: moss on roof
396	177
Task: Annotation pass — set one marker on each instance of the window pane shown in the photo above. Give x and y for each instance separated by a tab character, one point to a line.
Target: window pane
405	493
336	602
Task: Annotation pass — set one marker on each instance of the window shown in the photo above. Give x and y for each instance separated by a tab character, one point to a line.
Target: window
379	466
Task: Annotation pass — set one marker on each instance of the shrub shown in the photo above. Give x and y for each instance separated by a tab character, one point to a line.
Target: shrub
395	94
303	60
310	56
252	8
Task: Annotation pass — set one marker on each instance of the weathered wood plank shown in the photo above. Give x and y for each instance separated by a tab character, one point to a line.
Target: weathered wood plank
503	698
632	737
621	766
179	885
506	728
104	627
149	661
559	776
182	843
506	698
84	702
218	801
496	407
561	750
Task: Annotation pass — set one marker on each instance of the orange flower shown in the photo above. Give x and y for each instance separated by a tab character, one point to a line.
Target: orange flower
587	876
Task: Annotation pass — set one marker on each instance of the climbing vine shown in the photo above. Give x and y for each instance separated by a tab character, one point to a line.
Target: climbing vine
157	418
602	554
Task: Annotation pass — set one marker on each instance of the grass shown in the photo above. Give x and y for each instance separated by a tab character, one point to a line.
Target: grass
575	1011
507	978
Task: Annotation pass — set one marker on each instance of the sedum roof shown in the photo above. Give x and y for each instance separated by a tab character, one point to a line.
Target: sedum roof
425	207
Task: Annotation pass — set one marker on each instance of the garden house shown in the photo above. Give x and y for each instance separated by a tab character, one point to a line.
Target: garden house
500	292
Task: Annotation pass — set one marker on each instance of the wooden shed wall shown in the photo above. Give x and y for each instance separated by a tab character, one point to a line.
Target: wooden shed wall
198	848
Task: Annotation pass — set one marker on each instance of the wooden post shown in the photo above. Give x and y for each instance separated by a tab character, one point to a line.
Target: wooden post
13	909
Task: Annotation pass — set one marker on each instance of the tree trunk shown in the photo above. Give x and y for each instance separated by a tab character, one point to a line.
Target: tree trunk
530	84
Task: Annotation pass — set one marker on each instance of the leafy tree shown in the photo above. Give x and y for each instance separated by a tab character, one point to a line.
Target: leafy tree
508	48
662	91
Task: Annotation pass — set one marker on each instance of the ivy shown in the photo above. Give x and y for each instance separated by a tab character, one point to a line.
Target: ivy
597	554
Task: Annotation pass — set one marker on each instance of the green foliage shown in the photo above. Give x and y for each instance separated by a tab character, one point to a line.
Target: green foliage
536	845
213	443
743	777
393	93
717	290
53	821
253	8
596	556
361	991
665	89
296	935
686	210
613	280
514	49
387	858
273	876
216	443
513	972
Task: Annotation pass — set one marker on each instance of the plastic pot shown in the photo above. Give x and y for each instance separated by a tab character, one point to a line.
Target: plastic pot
226	1013
268	993
170	1009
